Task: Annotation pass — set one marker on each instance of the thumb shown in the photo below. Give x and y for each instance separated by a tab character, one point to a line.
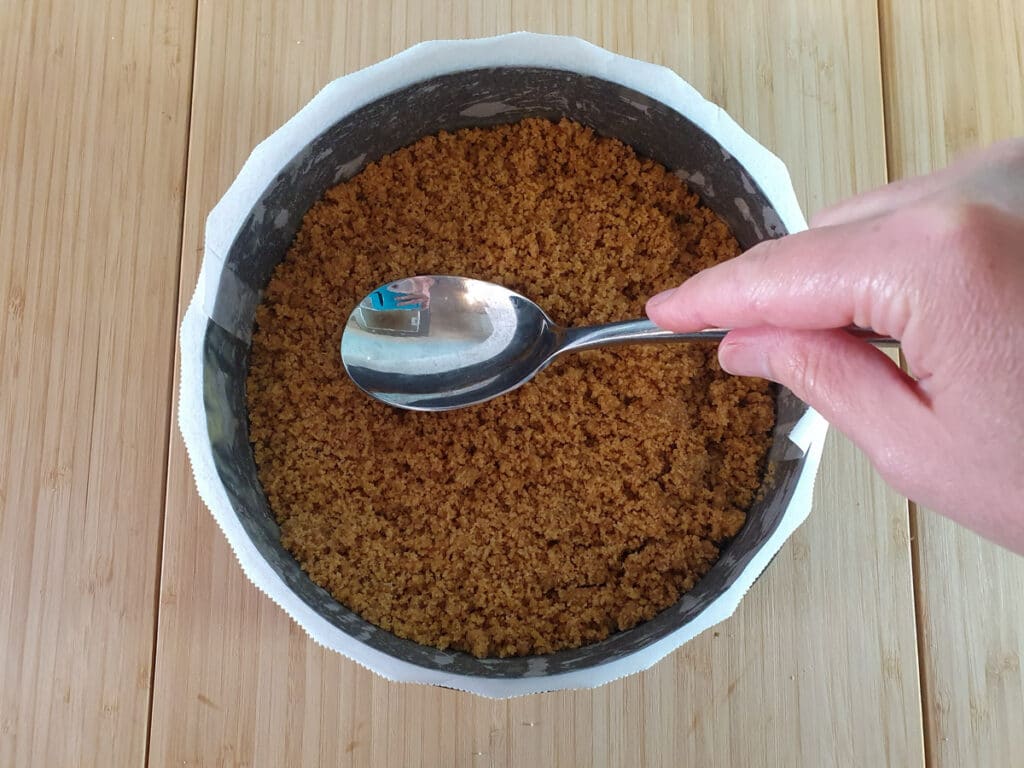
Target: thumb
855	386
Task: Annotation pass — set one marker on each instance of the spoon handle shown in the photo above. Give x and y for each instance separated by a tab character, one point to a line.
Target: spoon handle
645	331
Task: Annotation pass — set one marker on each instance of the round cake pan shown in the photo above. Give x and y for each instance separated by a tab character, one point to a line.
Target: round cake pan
447	85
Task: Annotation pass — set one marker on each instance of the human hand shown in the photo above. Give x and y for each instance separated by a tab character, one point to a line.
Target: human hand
412	291
935	261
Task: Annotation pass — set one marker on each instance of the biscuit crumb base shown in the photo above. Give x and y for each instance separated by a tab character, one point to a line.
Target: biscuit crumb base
581	504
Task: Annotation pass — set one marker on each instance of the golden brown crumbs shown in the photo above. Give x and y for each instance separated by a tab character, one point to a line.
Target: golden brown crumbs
585	502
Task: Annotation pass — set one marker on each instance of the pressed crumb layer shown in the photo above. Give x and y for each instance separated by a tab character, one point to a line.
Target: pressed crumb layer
583	503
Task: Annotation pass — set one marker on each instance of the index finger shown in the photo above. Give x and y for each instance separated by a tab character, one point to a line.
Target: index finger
860	273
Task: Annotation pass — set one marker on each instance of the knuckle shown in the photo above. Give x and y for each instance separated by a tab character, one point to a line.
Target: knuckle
801	367
959	231
753	278
809	365
756	260
825	216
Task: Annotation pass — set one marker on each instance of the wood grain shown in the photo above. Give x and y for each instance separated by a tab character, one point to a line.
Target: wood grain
92	149
819	665
944	98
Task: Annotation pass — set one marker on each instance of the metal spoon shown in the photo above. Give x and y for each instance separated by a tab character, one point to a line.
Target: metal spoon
434	343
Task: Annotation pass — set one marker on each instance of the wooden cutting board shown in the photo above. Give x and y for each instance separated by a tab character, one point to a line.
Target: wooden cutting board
879	636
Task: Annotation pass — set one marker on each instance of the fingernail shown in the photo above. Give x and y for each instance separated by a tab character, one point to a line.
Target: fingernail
741	359
660	298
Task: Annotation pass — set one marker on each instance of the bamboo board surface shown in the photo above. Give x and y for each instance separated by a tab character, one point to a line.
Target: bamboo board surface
945	100
126	125
92	162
